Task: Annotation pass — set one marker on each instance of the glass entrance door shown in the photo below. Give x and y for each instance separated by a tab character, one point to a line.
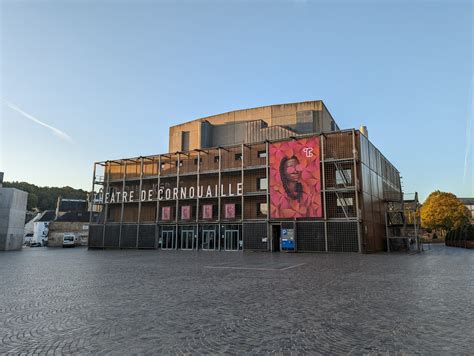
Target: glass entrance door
231	240
208	240
167	241
187	237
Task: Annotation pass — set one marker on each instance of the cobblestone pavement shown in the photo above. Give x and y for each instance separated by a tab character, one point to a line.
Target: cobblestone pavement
121	302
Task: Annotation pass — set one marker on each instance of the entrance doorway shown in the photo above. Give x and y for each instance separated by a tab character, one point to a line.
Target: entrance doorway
208	240
187	237
276	232
231	240
167	239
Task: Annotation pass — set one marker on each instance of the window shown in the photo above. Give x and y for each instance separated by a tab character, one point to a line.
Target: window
184	140
216	159
344	202
343	176
262	209
262	184
163	166
179	163
333	126
238	156
196	161
262	154
345	205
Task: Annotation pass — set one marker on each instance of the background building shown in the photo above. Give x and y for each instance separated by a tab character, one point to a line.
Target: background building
469	203
287	179
12	217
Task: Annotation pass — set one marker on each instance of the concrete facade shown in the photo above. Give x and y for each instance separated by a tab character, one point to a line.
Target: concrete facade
282	121
12	218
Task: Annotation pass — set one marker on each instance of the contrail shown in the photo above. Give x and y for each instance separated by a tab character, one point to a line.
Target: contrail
467	151
62	135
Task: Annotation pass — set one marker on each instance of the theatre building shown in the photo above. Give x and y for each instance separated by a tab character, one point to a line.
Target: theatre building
274	178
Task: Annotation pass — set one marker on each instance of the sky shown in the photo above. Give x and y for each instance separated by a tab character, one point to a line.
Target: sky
86	81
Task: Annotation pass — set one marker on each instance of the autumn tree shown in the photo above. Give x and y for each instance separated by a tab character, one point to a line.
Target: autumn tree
443	211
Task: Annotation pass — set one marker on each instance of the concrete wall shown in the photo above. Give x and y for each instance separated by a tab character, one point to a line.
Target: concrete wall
12	218
58	228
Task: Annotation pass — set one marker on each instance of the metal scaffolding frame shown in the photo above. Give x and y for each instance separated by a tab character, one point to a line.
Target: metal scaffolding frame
328	192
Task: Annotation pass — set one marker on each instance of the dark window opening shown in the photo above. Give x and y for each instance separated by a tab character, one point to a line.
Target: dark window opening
238	156
262	154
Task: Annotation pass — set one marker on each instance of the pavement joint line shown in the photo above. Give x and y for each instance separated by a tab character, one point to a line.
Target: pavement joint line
255	268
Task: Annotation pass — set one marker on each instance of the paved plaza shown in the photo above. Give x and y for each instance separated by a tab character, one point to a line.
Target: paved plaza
181	302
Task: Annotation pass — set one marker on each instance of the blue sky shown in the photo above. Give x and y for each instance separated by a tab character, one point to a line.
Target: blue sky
114	75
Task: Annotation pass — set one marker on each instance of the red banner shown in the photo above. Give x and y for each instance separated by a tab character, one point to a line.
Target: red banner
230	211
186	212
207	211
166	213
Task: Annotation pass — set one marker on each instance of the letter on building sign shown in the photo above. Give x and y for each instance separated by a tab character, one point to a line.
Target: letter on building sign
118	197
124	196
168	194
200	191
160	194
130	195
175	193
150	194
239	189
222	190
191	192
143	195
183	192
166	213
107	195
112	198
209	192
230	190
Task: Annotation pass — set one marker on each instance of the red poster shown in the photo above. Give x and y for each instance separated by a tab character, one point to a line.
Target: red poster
230	211
186	212
295	179
166	213
207	211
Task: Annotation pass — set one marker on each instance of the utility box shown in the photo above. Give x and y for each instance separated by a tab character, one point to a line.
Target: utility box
287	240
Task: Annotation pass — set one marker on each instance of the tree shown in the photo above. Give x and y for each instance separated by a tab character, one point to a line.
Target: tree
45	198
443	211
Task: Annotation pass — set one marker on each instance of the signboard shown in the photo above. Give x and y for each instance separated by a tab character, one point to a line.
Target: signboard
207	211
166	213
186	212
133	193
295	179
288	239
230	211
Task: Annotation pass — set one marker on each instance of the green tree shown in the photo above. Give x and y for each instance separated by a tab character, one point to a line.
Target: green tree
45	198
32	201
443	211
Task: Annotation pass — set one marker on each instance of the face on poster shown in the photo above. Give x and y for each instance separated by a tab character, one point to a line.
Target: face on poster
186	212
295	179
230	211
207	211
166	213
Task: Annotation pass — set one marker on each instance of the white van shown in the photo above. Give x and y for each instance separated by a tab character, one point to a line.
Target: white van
69	240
